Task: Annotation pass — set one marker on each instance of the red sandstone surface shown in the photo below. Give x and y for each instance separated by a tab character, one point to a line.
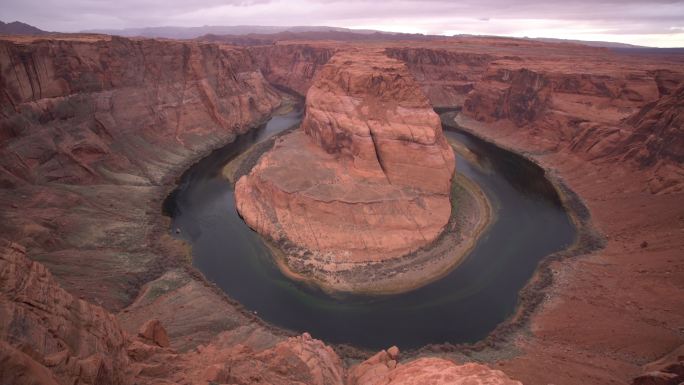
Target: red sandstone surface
93	130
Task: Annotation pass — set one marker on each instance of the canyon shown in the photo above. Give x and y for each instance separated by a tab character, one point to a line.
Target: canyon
95	130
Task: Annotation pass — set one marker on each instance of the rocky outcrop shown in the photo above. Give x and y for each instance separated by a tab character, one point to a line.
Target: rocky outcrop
154	332
440	371
665	371
367	109
367	179
81	111
18	368
76	341
658	131
657	142
295	360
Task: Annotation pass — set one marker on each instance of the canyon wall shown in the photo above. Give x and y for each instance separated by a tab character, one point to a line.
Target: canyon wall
96	97
292	67
626	116
445	76
94	130
366	179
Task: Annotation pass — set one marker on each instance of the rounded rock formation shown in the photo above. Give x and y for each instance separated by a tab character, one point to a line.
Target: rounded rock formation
366	180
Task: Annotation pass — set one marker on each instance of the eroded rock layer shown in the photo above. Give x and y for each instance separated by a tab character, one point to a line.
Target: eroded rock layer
366	179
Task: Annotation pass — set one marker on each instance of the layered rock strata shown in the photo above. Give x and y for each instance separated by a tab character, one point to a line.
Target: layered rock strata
365	180
291	66
94	130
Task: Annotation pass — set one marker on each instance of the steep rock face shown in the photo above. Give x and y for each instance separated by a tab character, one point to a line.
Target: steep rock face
92	129
651	137
526	96
659	131
78	342
560	109
74	109
291	66
566	97
445	76
366	179
657	141
523	101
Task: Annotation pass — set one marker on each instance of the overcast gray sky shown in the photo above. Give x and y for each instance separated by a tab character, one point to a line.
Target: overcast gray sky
644	22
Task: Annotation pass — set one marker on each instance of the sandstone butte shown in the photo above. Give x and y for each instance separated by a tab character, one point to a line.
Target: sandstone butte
367	177
94	131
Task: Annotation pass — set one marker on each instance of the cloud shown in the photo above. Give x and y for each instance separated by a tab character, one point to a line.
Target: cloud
642	20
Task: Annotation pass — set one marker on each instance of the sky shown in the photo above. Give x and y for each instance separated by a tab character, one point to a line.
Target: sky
658	23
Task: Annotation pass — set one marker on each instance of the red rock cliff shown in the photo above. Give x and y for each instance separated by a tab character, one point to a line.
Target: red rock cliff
92	128
291	66
67	104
